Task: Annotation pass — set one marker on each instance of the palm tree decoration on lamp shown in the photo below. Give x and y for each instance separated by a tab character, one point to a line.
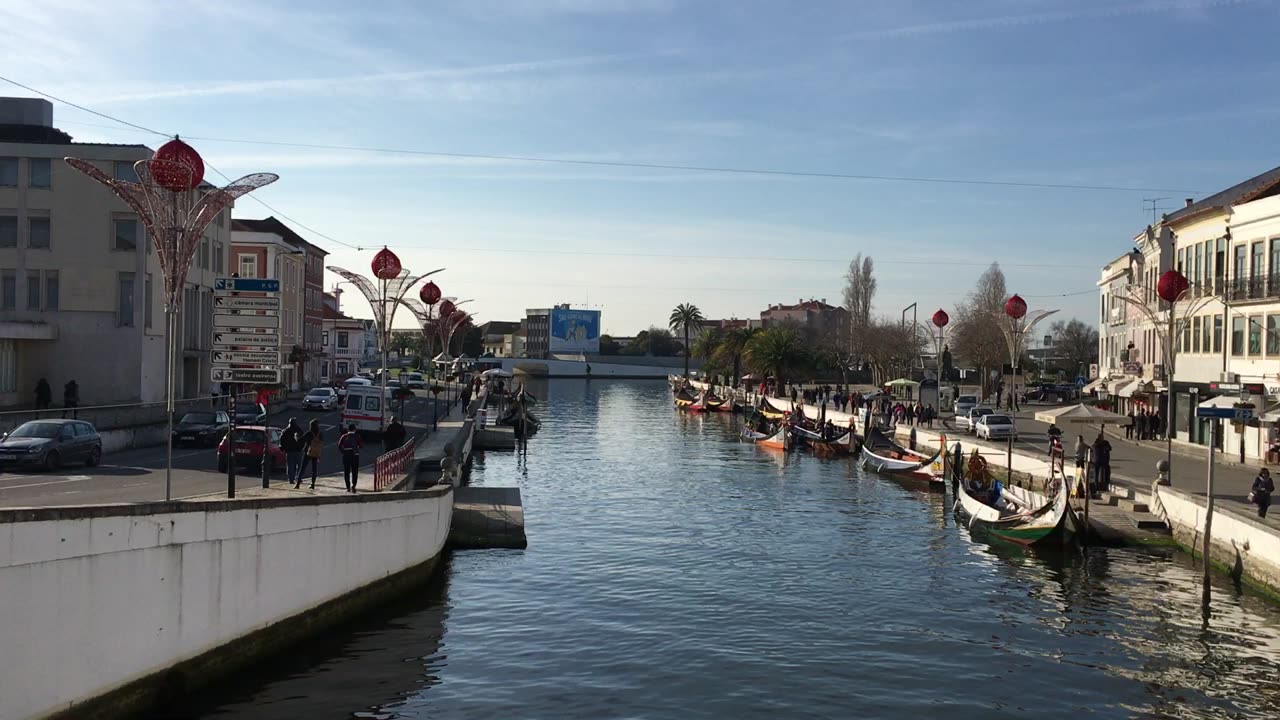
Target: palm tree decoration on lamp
686	317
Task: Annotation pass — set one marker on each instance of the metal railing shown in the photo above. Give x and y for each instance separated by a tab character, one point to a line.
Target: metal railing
111	417
389	467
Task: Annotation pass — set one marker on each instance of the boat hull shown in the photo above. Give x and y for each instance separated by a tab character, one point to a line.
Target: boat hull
1051	523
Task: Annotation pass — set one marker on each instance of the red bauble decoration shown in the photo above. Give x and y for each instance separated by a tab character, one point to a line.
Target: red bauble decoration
430	293
1016	307
386	265
940	318
177	167
446	308
1171	286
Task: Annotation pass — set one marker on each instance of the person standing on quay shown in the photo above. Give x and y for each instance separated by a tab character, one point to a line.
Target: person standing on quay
44	394
71	398
1263	486
291	443
313	441
349	445
1102	463
1128	429
393	437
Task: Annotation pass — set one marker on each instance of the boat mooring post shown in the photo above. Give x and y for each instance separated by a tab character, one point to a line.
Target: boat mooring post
1214	429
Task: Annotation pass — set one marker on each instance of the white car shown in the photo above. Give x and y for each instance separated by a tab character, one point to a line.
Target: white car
969	421
993	427
321	398
353	382
964	404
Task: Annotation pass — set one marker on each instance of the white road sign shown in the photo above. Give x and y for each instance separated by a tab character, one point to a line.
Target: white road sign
230	338
247	357
246	303
246	321
245	375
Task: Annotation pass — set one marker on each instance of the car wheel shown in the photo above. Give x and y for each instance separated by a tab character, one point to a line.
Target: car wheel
95	457
52	460
222	464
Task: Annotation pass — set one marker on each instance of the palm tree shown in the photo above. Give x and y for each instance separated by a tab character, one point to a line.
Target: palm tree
707	343
686	317
777	350
731	347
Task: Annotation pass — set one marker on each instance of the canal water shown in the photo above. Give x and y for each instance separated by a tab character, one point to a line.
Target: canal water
673	572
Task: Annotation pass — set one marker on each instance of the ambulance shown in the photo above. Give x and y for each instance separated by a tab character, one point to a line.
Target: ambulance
364	408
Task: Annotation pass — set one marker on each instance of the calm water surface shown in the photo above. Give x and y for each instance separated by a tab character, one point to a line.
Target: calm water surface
675	573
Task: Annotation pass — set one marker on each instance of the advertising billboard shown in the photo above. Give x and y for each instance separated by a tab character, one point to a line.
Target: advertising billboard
575	331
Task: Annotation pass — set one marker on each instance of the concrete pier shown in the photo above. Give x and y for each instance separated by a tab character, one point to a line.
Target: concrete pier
487	517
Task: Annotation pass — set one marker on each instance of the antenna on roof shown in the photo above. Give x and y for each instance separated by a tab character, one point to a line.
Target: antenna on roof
1155	220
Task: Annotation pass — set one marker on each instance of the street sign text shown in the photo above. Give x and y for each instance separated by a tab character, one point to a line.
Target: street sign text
246	303
226	284
246	321
236	339
245	375
246	357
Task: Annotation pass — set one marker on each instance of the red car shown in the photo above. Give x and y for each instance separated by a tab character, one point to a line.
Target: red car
249	448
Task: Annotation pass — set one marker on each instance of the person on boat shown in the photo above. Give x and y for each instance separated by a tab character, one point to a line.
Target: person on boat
977	471
1260	494
829	430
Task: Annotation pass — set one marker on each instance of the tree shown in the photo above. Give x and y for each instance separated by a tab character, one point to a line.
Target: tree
473	342
1076	343
779	351
976	337
891	346
859	292
655	341
731	348
686	317
706	344
609	346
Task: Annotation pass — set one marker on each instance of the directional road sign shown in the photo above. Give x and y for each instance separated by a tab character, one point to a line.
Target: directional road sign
230	338
246	303
1225	413
246	357
245	375
226	284
246	321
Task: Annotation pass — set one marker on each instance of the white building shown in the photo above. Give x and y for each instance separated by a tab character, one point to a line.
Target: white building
262	254
81	292
344	345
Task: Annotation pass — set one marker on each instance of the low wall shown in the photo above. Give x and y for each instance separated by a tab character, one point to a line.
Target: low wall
1247	547
116	605
113	417
576	369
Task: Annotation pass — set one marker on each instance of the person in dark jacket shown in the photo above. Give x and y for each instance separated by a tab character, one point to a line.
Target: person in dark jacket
1263	486
44	394
291	444
71	398
349	445
393	436
1101	463
313	444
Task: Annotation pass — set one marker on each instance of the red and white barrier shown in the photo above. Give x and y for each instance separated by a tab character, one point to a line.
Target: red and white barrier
389	467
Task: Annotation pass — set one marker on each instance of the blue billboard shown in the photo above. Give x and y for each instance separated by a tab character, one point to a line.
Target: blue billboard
575	331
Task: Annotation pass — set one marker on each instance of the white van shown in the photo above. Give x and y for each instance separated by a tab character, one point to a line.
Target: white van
363	408
413	380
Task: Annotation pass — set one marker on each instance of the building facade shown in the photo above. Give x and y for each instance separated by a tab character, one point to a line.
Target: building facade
815	318
497	337
537	328
343	339
269	255
81	292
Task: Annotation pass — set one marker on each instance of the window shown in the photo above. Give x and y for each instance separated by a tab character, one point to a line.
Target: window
146	299
1255	335
248	266
1195	334
8	289
1186	337
221	219
326	338
217	257
125	231
8	231
1241	268
39	173
124	312
344	340
324	370
1237	336
1275	258
1217	333
342	370
38	232
1182	260
1273	335
50	289
33	289
8	171
204	253
124	170
1196	268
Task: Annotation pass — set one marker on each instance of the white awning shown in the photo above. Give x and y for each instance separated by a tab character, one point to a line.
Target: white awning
1093	386
1137	387
1272	414
1222	401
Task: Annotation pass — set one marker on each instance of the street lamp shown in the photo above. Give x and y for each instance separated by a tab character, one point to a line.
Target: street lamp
175	206
1015	323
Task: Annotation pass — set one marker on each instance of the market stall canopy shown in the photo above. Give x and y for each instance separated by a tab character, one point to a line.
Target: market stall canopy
1096	384
496	372
1081	415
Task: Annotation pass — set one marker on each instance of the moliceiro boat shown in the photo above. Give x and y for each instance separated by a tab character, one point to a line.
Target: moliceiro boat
1020	517
882	454
779	440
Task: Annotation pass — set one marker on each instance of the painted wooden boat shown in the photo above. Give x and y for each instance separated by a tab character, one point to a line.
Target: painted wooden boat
882	454
846	444
777	441
684	399
1022	521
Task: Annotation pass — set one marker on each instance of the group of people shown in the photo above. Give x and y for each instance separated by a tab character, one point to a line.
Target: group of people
70	396
1144	425
306	448
914	414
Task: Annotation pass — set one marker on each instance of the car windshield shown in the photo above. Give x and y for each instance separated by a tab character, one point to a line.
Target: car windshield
981	411
199	418
248	436
967	399
36	430
997	420
319	392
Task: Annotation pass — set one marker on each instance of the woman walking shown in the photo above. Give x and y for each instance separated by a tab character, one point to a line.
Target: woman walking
349	445
1263	486
313	442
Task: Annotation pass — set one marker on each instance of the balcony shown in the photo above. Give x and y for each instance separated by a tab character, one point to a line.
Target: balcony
1253	288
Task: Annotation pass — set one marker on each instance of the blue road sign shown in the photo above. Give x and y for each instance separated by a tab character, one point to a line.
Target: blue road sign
246	285
1225	413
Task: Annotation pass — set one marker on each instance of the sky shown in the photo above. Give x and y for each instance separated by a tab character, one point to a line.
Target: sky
1147	98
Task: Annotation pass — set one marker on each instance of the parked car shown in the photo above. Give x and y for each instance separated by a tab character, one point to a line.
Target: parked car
964	404
413	380
50	443
203	427
353	382
321	398
248	441
970	421
995	427
250	414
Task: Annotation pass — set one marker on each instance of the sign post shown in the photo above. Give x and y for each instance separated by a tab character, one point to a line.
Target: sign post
1238	412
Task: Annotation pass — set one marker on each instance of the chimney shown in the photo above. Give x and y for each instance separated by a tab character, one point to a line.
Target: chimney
824	301
1190	201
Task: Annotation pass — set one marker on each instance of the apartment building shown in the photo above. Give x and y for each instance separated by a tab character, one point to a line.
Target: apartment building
81	292
264	254
815	318
344	345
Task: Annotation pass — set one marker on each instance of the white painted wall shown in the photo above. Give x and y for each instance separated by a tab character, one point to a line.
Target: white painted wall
96	597
570	368
1258	545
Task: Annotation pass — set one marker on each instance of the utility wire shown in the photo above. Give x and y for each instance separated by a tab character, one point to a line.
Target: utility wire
85	109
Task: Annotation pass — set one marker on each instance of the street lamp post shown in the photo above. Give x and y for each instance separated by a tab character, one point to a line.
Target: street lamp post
1015	323
175	206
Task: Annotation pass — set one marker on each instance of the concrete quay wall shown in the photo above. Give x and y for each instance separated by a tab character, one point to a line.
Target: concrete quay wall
105	610
1246	547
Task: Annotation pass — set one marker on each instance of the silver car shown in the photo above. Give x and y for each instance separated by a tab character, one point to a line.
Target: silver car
50	443
321	398
970	422
996	427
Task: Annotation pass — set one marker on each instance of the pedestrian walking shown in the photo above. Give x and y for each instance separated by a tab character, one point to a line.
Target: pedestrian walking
1102	463
313	441
44	394
291	444
1128	429
393	437
349	445
71	399
1260	495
